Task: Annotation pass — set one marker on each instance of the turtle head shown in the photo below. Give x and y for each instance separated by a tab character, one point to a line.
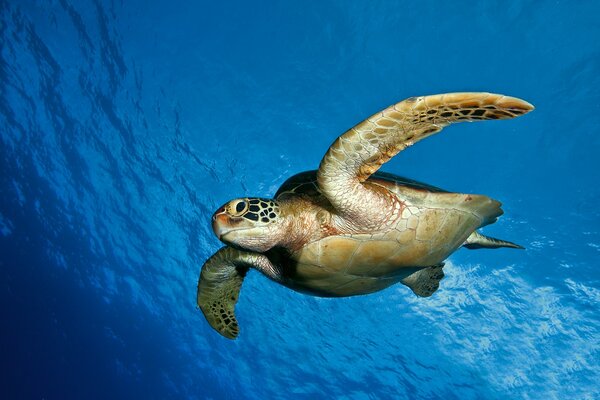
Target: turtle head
250	223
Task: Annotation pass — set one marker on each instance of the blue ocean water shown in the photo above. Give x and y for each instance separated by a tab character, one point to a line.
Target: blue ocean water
124	125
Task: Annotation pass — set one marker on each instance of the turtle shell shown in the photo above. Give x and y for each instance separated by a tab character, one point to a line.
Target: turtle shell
433	224
306	183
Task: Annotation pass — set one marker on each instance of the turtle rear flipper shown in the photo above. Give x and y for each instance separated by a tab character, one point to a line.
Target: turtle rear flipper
479	241
219	286
425	281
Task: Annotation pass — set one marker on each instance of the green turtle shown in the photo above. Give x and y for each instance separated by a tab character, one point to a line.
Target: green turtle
347	229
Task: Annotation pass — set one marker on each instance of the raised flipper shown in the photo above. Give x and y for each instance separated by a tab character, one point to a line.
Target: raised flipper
220	282
425	281
358	153
479	241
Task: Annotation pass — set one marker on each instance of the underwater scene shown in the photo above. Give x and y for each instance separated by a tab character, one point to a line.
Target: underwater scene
124	125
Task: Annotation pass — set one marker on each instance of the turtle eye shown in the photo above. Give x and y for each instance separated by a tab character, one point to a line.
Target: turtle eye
239	207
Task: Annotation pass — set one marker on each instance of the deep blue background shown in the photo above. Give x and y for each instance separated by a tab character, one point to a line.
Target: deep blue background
123	125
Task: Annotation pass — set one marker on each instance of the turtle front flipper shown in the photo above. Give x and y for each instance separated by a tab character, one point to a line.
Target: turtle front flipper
361	151
220	282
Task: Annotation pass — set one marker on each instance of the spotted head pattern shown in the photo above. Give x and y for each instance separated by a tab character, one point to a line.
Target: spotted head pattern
254	209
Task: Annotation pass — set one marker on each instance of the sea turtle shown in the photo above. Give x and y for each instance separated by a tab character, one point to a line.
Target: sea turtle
346	229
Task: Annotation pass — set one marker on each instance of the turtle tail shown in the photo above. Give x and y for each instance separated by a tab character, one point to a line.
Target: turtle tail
479	241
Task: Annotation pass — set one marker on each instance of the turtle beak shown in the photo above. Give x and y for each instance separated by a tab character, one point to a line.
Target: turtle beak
220	222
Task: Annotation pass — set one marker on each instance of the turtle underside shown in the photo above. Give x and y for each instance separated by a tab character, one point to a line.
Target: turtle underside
433	223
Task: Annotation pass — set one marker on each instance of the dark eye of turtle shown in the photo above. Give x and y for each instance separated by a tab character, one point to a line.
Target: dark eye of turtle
240	206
